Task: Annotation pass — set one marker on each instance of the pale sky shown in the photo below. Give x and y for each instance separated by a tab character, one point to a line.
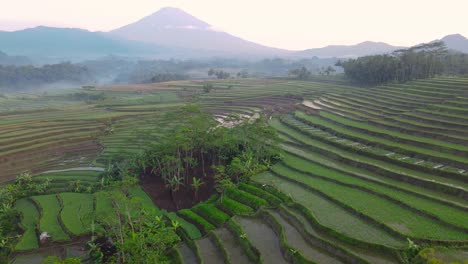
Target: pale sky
291	24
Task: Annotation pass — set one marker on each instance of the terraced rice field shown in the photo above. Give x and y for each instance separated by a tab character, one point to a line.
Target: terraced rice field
363	169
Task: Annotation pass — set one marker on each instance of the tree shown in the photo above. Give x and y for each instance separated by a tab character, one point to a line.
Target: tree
220	74
138	235
300	73
207	87
196	184
222	180
419	62
243	74
174	184
329	70
211	72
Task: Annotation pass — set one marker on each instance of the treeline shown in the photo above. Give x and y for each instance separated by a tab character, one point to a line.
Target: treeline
22	77
126	71
419	62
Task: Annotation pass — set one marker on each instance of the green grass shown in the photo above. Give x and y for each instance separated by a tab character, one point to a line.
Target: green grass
377	140
210	212
381	210
246	198
196	219
346	156
137	194
191	230
273	200
104	210
235	207
29	221
396	135
50	211
444	212
78	212
330	214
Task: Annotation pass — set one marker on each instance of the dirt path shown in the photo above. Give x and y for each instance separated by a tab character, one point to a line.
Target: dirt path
296	241
210	253
233	248
187	254
263	238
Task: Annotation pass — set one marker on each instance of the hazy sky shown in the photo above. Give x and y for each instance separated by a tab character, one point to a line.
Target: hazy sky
290	24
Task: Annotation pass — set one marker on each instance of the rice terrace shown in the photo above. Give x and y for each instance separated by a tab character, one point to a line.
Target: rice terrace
340	159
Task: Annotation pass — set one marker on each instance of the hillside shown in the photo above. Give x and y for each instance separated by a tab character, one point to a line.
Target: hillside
70	42
351	51
5	59
363	168
456	42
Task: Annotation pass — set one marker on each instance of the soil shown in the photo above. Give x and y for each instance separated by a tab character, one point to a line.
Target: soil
155	187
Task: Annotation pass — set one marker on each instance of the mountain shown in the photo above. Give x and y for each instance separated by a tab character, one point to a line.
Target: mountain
175	28
70	43
456	42
344	51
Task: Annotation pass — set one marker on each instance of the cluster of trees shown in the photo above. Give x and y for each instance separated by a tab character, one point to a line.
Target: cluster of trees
456	64
419	62
220	74
165	77
327	70
84	96
243	74
149	71
198	147
20	77
301	73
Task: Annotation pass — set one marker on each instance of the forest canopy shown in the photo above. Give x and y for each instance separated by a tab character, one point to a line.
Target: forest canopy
21	77
419	62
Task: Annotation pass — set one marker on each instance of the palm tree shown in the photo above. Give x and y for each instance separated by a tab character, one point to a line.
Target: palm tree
196	184
174	185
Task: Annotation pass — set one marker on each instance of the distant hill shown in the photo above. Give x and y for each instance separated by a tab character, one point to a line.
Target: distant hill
344	51
456	42
13	60
175	28
70	42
